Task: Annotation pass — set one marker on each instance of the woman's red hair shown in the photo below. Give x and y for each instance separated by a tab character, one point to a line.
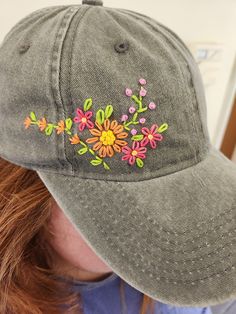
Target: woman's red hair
27	281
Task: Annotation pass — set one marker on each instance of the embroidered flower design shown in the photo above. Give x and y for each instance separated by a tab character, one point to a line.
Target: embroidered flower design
42	124
75	139
109	137
134	154
83	119
151	136
61	127
27	122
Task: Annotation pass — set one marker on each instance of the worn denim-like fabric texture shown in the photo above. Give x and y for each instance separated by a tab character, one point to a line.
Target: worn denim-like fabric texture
72	56
167	228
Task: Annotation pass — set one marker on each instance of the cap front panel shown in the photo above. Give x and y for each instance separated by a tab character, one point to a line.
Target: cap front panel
113	60
27	64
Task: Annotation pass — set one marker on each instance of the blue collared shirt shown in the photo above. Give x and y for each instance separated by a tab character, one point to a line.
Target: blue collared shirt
103	297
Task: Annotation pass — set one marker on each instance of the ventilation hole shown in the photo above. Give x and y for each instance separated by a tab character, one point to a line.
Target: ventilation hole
24	48
122	46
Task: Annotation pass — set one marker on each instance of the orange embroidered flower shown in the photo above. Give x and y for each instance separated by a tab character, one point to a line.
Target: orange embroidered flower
75	139
27	122
60	127
108	138
42	124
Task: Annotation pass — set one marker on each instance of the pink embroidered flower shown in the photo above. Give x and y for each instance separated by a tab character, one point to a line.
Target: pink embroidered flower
132	109
133	131
143	92
142	120
142	81
135	152
151	136
128	92
152	105
124	117
83	119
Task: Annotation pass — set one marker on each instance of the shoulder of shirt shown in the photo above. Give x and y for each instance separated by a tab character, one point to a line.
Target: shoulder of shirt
172	309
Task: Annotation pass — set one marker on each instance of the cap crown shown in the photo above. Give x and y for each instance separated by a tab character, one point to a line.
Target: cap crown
100	93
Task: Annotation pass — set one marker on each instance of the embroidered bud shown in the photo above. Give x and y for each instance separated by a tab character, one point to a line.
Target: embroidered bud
133	132
132	109
142	81
128	92
152	105
142	120
142	92
124	117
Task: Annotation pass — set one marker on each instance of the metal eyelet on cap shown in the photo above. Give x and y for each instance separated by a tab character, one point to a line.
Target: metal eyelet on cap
23	48
92	2
121	46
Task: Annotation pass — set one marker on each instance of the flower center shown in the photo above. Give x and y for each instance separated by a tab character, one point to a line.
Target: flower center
107	138
150	136
134	153
84	120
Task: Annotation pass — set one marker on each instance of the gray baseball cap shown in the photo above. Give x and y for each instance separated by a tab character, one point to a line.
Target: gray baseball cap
107	105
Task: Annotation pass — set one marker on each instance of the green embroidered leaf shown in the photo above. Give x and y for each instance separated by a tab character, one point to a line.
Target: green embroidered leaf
95	162
135	98
139	162
135	116
33	116
82	151
98	158
128	129
49	129
69	123
137	137
100	116
105	165
88	104
162	128
108	111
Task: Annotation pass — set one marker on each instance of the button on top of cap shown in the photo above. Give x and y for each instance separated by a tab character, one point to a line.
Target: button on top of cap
92	2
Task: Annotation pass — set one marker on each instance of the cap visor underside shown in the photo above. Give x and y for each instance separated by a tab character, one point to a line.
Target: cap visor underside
172	237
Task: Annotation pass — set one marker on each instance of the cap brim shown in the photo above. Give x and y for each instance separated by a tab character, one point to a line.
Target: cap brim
171	237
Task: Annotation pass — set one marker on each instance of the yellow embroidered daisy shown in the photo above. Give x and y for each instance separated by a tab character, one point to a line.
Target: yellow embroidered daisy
108	138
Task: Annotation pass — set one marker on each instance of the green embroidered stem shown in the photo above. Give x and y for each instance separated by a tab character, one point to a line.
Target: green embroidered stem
129	123
50	126
139	102
133	121
95	162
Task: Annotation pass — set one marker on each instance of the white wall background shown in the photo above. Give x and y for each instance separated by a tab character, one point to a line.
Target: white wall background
201	21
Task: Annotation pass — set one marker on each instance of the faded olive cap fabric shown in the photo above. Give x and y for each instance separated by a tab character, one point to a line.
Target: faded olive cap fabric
108	106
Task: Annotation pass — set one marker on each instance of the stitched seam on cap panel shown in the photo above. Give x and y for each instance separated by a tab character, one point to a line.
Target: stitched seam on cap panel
186	53
178	41
135	260
190	88
55	70
207	154
133	14
33	166
69	77
72	46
